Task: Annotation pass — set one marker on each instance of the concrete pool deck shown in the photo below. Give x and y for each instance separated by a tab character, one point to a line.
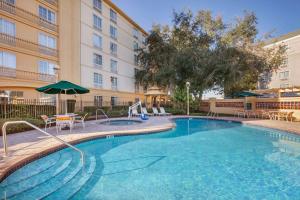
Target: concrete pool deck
30	145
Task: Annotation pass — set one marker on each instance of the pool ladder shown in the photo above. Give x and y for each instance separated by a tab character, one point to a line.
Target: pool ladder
102	111
5	145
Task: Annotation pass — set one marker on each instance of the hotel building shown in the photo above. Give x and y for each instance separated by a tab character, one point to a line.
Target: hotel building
288	74
88	42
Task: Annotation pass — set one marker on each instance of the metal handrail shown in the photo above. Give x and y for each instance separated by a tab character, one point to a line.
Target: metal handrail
102	113
37	128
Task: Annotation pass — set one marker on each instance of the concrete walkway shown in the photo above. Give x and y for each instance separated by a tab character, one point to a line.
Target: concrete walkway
27	146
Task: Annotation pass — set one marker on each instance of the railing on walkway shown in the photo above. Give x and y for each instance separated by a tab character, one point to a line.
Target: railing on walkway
5	145
12	9
25	75
17	42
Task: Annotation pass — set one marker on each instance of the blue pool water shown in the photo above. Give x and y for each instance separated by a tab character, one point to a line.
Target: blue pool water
200	159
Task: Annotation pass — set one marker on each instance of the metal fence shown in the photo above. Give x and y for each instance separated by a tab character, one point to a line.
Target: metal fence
34	108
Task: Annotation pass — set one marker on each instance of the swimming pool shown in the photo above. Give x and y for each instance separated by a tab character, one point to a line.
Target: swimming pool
200	159
121	122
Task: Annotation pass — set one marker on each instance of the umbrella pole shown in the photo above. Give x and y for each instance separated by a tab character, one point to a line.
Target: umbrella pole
66	104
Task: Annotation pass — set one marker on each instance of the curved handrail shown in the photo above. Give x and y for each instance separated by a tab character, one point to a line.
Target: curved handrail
37	128
99	109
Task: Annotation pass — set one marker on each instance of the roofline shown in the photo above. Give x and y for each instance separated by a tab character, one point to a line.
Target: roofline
283	37
118	10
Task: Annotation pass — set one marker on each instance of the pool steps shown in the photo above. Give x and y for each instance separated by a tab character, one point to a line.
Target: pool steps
63	178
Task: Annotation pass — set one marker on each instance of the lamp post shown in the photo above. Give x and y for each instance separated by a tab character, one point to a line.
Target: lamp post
188	84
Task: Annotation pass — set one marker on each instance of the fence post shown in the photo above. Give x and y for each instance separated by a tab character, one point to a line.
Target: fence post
4	110
35	108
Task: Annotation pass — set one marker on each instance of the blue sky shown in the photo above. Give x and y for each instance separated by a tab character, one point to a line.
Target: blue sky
280	16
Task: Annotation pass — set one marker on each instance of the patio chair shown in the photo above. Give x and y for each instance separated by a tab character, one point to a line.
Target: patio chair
64	120
163	112
135	112
155	111
146	112
48	121
80	119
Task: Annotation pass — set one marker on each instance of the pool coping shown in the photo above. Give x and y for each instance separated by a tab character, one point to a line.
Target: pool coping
18	163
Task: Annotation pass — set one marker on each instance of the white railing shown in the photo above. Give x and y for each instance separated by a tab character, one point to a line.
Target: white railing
102	111
134	106
5	146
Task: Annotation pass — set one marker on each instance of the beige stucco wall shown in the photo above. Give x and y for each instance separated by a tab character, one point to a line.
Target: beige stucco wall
293	63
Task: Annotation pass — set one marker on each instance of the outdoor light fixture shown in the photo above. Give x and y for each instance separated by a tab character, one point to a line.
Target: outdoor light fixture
188	84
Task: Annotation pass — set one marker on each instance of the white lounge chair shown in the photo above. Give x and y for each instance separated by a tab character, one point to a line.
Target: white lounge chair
146	112
163	112
48	121
80	119
135	112
155	111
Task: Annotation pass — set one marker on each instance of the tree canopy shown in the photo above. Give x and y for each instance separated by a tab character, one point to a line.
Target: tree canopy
202	49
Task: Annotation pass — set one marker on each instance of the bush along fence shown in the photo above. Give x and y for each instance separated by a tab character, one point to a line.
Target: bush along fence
230	106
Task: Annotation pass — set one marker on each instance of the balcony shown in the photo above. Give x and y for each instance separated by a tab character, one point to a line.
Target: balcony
52	2
25	75
17	42
13	10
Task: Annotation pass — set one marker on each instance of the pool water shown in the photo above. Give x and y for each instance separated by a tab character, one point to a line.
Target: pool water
200	159
120	122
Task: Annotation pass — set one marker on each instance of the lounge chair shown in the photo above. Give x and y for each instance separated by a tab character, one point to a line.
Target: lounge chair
80	119
146	112
163	112
135	112
48	121
155	111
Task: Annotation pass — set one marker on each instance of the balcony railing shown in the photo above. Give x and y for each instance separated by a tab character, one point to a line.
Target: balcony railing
25	75
12	9
52	2
17	42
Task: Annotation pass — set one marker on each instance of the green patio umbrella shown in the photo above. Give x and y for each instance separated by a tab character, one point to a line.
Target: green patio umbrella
247	94
63	87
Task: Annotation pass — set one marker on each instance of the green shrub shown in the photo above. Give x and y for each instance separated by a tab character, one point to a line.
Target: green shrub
176	111
20	127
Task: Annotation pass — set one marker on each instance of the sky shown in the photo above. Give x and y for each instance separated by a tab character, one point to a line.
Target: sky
276	16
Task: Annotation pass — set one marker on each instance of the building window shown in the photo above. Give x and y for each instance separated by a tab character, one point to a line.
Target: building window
113	16
97	41
114	101
113	48
47	41
98	101
113	32
46	67
97	22
144	40
114	83
97	60
97	80
113	66
7	27
47	97
7	60
47	14
13	2
284	85
136	60
135	46
284	75
135	33
97	5
11	94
